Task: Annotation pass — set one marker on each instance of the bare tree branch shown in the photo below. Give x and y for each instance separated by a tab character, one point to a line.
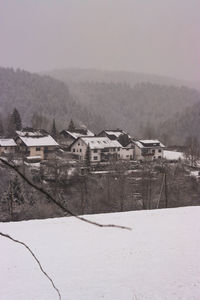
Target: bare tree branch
35	258
5	162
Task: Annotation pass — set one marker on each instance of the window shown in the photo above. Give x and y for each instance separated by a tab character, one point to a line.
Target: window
118	149
37	148
95	157
95	150
159	150
78	144
80	150
73	150
153	151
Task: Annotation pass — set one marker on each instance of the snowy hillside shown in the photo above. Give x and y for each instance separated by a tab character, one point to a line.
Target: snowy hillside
158	260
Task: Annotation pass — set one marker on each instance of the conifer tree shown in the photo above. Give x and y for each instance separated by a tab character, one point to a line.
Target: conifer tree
17	119
87	156
71	126
54	132
14	123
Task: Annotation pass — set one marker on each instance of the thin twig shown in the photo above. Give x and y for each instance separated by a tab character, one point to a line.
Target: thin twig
35	258
5	162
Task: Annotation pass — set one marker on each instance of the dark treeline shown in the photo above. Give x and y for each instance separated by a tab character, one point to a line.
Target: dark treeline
149	186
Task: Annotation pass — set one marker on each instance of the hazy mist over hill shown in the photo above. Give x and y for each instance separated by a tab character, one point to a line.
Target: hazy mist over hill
155	37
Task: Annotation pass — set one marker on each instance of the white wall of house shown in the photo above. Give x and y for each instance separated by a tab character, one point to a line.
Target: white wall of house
156	153
126	153
79	148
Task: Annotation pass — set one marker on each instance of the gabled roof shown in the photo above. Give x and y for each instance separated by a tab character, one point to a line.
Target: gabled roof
99	142
114	132
149	143
38	141
7	143
30	132
76	134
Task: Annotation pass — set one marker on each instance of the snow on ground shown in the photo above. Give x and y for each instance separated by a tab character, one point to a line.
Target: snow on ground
195	174
173	155
158	260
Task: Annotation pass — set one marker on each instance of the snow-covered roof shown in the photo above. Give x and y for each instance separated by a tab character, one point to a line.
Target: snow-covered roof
115	133
76	135
7	143
100	142
31	133
149	143
39	141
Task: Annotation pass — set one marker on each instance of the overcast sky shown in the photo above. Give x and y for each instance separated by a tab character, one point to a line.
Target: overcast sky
153	36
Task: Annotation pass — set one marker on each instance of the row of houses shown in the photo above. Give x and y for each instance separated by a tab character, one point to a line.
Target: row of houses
36	145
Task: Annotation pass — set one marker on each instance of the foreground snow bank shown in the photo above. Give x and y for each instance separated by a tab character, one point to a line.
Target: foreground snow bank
159	259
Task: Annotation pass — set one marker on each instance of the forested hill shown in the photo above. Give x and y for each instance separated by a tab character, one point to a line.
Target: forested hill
140	110
183	125
43	95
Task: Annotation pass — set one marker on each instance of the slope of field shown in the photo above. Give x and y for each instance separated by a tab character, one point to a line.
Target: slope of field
158	260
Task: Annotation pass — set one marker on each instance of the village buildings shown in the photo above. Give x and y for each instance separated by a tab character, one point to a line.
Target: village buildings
38	145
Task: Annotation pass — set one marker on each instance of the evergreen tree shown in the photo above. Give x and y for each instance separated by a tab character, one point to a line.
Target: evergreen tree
71	126
17	119
14	123
11	127
87	156
54	132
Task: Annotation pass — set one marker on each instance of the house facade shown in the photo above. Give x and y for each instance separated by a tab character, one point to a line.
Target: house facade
101	149
148	150
7	146
127	153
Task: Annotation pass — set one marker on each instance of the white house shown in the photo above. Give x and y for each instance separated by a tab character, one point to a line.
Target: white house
7	146
126	153
101	148
148	149
36	145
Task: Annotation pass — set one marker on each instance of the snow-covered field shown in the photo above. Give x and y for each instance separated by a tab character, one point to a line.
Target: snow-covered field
158	260
173	155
